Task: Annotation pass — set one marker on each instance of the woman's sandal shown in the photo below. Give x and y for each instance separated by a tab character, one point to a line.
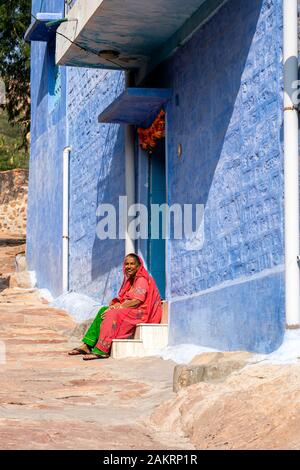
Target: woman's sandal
91	357
77	352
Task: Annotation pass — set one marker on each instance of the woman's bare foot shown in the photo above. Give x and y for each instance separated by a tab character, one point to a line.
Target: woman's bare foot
91	357
84	349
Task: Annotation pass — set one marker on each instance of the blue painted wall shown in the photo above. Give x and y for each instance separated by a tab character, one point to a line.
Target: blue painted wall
226	112
48	139
97	169
96	172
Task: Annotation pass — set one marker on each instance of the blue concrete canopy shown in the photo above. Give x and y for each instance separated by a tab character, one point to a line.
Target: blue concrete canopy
39	31
136	33
135	105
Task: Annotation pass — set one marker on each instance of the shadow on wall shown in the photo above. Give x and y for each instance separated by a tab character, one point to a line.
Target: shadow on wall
206	77
213	118
43	85
108	254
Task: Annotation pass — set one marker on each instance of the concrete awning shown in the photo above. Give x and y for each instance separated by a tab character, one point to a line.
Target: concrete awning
135	105
39	30
134	32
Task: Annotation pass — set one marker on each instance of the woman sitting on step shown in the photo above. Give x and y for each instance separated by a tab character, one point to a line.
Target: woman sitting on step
138	301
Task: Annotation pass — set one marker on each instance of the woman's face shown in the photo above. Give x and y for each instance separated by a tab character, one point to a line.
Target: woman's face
131	266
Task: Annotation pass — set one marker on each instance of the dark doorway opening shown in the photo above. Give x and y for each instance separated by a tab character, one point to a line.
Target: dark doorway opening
156	252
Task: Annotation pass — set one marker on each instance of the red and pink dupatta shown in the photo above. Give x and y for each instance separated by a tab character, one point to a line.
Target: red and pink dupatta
153	300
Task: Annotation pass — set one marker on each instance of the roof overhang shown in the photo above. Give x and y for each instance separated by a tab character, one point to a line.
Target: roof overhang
41	30
135	106
136	33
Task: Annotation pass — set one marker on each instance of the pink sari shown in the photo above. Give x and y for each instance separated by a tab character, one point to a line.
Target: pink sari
120	323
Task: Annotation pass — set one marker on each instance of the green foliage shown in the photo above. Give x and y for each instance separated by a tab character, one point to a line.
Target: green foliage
12	154
15	62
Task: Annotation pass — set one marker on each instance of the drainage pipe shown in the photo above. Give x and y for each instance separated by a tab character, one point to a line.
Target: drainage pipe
291	178
129	173
65	237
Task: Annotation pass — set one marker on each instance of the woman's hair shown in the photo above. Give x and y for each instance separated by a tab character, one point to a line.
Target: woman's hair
133	255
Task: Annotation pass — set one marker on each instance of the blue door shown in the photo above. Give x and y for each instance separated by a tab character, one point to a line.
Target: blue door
157	195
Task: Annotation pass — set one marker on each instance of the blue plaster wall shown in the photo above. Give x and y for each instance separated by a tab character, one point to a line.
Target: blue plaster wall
48	139
96	174
97	169
226	112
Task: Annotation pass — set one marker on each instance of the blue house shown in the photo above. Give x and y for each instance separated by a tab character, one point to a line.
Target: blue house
101	69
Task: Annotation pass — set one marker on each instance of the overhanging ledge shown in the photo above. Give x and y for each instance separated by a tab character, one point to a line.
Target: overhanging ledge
135	106
39	30
131	34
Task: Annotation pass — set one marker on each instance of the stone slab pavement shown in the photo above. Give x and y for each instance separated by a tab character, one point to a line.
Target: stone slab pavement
49	400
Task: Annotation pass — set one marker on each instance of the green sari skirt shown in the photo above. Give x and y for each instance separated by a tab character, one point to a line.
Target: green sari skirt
92	334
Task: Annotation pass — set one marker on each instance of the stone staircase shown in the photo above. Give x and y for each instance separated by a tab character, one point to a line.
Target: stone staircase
149	338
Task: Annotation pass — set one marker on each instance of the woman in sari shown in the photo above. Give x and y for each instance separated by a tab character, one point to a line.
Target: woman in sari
138	301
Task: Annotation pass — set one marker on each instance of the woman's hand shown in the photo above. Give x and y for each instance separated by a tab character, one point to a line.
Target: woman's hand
116	305
111	306
133	303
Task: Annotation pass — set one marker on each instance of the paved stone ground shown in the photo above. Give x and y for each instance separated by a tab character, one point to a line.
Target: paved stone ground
49	400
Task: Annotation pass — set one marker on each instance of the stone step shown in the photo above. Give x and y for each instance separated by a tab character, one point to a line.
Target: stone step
122	348
153	335
148	340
